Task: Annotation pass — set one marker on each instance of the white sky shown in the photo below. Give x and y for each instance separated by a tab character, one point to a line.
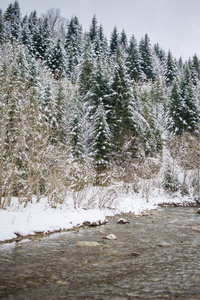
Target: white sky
174	24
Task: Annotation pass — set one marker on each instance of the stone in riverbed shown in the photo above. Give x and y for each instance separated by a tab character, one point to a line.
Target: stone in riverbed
135	253
198	211
122	221
109	237
87	244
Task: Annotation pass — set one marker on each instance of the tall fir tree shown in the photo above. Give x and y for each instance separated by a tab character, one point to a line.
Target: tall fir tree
93	31
12	22
133	61
114	41
196	65
41	39
176	108
171	69
121	111
73	47
56	60
146	58
101	142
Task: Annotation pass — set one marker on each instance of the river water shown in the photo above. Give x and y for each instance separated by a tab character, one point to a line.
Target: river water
154	257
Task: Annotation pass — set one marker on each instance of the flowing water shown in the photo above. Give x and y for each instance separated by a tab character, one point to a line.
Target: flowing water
154	257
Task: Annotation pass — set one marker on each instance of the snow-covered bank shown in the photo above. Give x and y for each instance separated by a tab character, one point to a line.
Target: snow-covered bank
42	217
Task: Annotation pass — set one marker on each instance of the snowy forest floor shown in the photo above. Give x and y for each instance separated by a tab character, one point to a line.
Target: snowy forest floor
92	205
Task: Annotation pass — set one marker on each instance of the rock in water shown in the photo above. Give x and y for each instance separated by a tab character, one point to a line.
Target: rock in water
109	237
87	244
122	221
135	253
198	211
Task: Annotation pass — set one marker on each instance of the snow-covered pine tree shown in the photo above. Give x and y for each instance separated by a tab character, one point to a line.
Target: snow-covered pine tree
150	132
114	41
176	109
60	114
193	72
121	121
12	22
123	42
100	141
196	65
146	58
171	69
160	53
41	38
133	61
56	60
73	48
93	31
86	67
100	90
190	100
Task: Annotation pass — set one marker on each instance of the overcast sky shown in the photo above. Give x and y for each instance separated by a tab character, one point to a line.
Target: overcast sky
174	24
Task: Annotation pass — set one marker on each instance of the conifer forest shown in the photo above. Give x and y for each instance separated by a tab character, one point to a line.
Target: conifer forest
79	109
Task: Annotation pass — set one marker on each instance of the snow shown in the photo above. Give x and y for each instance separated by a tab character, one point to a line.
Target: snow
41	217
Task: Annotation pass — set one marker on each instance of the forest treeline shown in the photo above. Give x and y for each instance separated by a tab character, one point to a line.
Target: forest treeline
79	109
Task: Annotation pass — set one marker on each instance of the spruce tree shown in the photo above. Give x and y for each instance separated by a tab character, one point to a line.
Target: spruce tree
56	60
114	41
85	70
12	22
123	42
41	39
73	47
146	58
133	60
100	140
93	31
100	90
189	96
196	65
176	109
171	69
121	112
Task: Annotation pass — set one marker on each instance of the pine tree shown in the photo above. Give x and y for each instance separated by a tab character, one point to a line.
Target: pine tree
85	70
93	31
160	53
123	42
171	69
191	112
103	44
194	74
60	115
56	60
100	90
146	58
122	119
196	65
114	41
133	61
176	108
12	20
73	47
101	140
41	39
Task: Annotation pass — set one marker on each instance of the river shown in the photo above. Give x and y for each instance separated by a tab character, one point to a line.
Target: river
154	257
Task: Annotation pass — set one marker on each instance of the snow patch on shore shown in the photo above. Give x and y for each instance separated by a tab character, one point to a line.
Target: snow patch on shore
42	217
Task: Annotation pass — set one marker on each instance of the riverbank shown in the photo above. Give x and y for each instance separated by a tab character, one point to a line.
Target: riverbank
43	218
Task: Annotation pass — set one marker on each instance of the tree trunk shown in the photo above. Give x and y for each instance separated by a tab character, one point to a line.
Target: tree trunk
184	183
